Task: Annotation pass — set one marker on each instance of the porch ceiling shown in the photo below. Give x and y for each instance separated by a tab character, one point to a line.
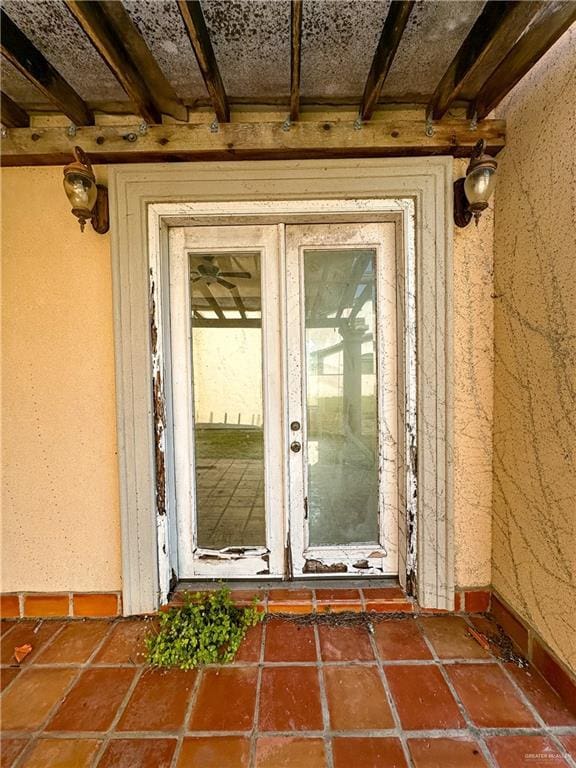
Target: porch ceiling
163	59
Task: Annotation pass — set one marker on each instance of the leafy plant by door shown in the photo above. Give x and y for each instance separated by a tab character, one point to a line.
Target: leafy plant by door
207	629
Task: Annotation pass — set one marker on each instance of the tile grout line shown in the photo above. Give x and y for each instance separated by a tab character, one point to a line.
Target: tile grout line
138	674
50	640
326	737
256	718
187	715
431	733
472	729
530	707
537	716
107	735
35	736
391	703
240	664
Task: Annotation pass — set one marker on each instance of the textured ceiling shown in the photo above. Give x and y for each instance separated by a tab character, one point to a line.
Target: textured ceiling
433	35
338	44
161	26
251	40
55	32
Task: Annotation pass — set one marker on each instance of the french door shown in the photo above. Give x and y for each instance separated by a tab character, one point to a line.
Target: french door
283	353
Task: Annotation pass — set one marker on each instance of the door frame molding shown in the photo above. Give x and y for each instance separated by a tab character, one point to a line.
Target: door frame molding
145	201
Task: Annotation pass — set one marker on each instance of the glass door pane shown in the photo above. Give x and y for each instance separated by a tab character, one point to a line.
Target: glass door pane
341	396
226	322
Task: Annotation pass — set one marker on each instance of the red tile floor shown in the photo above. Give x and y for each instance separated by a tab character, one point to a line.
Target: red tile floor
416	691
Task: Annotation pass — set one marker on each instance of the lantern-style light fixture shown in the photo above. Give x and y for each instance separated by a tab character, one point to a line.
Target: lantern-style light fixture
471	194
89	200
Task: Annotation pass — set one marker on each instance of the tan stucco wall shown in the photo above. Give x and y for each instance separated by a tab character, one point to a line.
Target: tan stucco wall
473	398
61	514
60	504
534	532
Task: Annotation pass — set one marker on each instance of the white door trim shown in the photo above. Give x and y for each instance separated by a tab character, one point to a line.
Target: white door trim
192	561
146	200
380	557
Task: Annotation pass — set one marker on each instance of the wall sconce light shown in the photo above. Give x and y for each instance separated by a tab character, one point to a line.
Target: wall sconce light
89	200
471	194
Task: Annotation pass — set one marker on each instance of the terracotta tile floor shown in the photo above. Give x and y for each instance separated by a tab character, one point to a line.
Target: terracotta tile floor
414	692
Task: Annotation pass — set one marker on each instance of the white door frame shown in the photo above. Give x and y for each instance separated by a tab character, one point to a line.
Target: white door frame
194	562
146	200
378	558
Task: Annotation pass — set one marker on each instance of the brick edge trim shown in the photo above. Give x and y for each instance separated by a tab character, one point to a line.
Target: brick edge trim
43	605
536	651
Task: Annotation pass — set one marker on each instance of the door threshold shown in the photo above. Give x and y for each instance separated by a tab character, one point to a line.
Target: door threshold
377	595
321	582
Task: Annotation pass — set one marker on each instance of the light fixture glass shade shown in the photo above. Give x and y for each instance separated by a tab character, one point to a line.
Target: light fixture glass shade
80	190
479	185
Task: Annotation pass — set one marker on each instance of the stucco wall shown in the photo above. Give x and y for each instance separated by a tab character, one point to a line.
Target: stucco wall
473	397
60	503
61	509
534	531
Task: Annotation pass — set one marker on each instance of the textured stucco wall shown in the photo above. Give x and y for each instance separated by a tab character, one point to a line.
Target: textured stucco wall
60	503
473	397
61	526
534	528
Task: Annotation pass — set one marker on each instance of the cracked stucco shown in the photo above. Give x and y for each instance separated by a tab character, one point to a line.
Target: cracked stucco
534	531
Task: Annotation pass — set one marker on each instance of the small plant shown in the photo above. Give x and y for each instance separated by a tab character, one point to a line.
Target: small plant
207	629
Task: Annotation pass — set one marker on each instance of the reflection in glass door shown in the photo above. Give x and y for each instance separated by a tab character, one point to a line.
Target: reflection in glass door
342	381
341	396
226	318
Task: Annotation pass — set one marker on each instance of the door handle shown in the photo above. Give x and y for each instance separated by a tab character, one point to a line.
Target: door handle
296	446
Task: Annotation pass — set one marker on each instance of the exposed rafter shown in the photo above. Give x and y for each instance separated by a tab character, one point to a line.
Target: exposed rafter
195	23
117	39
33	65
212	302
550	24
13	116
295	59
493	34
238	301
396	20
393	137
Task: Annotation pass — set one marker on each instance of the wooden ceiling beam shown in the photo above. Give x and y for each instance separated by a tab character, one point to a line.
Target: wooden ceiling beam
118	41
28	60
13	116
396	20
295	59
235	141
553	20
492	36
195	24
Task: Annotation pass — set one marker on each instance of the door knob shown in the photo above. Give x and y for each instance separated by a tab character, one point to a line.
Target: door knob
295	446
